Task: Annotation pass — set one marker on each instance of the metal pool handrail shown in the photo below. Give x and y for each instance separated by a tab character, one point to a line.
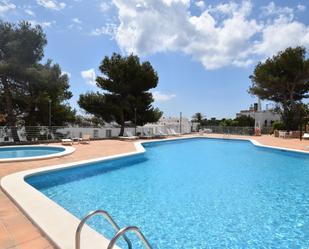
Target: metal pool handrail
107	217
123	231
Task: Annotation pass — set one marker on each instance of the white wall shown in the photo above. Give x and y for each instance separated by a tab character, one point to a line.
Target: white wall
261	116
268	116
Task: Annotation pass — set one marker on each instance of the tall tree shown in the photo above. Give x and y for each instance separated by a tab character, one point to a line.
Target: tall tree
198	117
284	79
46	83
21	46
26	85
126	83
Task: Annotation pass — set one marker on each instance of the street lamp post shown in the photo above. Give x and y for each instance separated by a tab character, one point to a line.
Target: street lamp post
135	119
49	112
180	123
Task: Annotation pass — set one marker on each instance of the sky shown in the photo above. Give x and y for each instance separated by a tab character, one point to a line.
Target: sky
203	51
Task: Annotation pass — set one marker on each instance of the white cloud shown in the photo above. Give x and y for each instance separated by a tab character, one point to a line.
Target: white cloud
89	76
159	96
280	35
222	35
30	12
46	24
76	20
67	73
51	4
5	6
273	10
301	7
76	23
105	6
109	29
200	4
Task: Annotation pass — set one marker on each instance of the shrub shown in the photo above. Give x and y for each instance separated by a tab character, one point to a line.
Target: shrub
278	125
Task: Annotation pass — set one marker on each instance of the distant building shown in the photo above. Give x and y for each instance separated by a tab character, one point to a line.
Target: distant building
174	122
263	118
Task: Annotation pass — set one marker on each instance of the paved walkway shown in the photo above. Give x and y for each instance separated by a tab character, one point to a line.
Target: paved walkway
16	231
272	141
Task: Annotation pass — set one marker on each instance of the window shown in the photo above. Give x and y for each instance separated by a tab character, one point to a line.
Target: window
108	133
95	134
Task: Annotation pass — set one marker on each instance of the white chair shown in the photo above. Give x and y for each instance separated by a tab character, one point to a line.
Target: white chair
22	136
282	134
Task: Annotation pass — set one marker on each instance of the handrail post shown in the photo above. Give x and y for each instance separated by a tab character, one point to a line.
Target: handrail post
123	231
107	217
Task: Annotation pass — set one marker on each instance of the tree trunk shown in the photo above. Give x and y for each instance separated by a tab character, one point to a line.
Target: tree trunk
122	123
121	129
11	119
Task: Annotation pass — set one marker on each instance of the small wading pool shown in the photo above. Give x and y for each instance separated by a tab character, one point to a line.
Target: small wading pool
193	193
34	152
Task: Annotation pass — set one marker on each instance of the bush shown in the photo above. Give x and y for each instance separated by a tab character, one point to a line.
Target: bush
278	125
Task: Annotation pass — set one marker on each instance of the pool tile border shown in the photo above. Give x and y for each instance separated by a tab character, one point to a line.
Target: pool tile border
60	229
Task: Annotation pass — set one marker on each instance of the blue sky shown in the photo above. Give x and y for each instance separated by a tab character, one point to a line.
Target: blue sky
203	51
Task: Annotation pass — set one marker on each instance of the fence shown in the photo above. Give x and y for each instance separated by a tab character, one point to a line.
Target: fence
36	134
233	130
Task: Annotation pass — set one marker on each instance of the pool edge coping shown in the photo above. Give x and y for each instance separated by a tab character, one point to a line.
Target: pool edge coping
67	151
31	201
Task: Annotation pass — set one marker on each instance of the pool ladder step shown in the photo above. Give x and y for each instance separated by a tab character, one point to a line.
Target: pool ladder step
119	232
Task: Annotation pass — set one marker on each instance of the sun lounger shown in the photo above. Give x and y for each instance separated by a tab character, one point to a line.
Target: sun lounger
174	133
145	135
85	139
169	132
128	136
66	141
306	136
159	134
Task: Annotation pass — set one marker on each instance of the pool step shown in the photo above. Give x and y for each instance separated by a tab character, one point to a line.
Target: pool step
119	232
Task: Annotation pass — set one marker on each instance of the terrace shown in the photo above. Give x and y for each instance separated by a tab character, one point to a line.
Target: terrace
17	231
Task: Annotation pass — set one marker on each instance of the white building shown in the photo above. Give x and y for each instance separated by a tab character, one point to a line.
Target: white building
182	125
263	118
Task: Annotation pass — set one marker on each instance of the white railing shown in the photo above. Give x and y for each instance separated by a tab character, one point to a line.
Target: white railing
35	134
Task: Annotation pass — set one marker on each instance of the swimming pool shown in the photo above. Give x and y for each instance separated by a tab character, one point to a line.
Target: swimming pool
194	193
31	152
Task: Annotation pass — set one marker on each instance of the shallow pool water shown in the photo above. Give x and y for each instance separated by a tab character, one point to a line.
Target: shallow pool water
27	151
194	193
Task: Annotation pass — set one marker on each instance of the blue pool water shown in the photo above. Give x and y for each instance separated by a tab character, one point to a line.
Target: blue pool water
197	193
27	151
